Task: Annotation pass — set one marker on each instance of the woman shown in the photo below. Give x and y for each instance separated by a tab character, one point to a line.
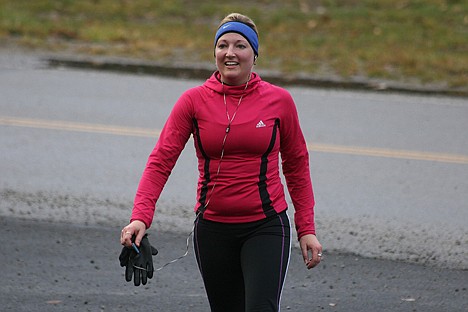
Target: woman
240	126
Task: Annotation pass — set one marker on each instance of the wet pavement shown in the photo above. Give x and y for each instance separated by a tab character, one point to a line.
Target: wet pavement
64	267
73	144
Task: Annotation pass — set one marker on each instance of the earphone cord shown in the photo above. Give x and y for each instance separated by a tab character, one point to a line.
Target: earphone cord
186	249
200	211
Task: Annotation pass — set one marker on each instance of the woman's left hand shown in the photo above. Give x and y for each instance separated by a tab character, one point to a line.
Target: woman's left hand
310	246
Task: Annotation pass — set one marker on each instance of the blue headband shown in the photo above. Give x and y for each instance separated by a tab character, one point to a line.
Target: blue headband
242	29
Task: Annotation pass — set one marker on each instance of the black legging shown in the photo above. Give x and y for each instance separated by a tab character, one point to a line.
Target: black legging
243	265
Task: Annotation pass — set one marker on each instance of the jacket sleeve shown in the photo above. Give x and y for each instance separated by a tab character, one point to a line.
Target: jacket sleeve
161	161
295	165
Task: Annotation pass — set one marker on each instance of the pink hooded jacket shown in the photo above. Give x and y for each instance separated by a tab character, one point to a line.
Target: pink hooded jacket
248	185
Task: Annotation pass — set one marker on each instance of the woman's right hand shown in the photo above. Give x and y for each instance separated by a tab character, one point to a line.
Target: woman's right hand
137	228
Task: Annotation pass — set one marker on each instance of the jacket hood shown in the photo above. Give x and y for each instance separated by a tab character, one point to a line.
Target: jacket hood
214	83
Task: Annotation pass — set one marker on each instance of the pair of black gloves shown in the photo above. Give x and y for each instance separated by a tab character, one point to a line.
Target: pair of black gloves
138	262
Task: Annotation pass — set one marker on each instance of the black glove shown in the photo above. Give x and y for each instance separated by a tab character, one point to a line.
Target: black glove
140	265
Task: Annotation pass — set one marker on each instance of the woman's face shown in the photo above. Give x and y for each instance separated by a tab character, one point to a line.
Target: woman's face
234	58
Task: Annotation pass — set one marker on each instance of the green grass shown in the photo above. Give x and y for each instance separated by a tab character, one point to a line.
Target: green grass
402	40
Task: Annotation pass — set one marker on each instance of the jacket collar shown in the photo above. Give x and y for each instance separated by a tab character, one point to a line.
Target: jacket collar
214	83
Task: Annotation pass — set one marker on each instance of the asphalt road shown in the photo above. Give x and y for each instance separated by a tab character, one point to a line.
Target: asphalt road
389	174
48	266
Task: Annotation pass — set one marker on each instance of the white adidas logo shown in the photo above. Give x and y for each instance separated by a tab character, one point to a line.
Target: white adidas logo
260	124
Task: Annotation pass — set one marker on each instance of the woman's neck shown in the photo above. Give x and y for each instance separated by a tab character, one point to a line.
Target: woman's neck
230	82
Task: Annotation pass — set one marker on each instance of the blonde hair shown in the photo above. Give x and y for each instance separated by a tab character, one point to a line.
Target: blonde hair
237	17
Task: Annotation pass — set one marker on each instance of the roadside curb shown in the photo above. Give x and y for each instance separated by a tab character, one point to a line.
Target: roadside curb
203	72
